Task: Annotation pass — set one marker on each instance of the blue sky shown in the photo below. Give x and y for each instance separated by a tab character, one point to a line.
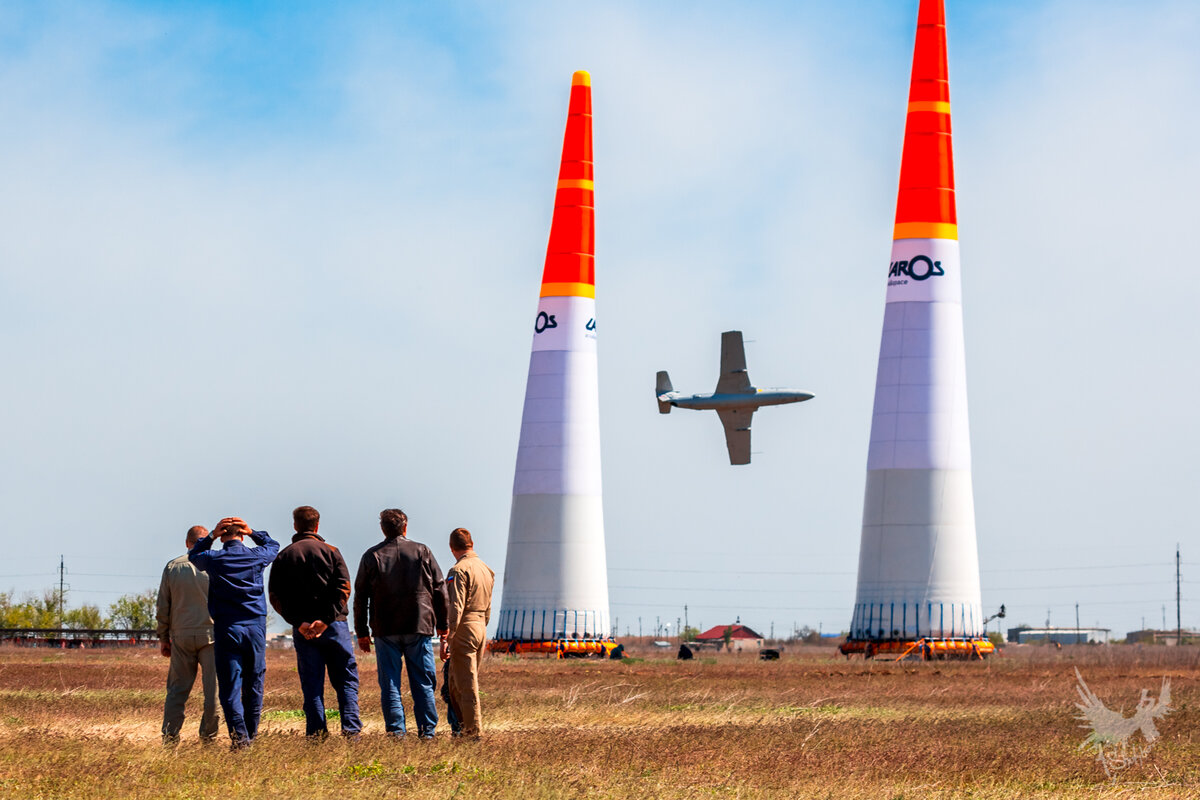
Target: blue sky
255	255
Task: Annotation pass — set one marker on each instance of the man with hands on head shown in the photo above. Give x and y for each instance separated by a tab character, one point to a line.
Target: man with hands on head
310	588
238	605
185	635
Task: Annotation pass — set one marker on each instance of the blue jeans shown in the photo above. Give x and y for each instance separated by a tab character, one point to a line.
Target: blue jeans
390	654
240	650
333	650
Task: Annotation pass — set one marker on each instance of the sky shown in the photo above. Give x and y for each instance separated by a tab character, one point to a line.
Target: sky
259	255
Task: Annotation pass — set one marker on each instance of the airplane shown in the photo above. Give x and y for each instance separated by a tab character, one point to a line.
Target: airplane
735	399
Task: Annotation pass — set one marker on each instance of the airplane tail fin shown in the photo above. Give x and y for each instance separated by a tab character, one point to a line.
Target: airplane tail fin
662	386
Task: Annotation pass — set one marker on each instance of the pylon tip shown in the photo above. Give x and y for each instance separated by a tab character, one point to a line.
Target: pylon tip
581	78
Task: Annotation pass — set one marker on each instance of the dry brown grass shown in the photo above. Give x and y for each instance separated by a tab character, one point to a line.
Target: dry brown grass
85	725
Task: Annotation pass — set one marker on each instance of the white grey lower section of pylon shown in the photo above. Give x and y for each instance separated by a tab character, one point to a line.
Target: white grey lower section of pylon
918	569
559	449
555	573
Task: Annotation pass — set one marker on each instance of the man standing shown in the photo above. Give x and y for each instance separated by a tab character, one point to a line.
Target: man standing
399	595
310	588
470	611
238	606
185	635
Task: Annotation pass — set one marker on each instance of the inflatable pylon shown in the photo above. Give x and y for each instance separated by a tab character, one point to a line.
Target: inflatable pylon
555	575
918	568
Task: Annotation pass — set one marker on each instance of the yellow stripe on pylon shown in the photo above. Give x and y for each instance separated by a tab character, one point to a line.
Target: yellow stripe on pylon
925	230
568	290
580	183
938	106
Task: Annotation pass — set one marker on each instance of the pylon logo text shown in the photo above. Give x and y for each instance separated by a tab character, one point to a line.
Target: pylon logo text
919	268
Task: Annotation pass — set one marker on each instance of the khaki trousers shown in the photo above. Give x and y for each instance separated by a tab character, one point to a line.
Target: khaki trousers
466	650
187	653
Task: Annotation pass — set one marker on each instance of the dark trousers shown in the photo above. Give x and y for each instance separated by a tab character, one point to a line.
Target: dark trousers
332	652
240	649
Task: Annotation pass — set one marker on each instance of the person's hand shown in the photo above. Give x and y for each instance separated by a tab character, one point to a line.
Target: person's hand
445	654
305	629
165	649
316	628
235	526
364	643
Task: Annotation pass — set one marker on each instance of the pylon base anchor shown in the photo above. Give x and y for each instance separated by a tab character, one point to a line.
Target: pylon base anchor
929	649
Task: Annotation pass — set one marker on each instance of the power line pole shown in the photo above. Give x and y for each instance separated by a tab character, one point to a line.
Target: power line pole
685	619
1077	623
62	570
1178	596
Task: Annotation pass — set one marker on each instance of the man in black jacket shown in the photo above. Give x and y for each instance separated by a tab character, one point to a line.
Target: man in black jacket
310	587
400	597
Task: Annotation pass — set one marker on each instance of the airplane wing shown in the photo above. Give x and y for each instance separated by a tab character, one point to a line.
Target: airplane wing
737	433
734	379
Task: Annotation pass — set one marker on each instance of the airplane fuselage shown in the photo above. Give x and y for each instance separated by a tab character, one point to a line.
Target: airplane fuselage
735	399
728	402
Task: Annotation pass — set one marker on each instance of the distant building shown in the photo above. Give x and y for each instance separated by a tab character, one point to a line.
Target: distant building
1170	637
1027	635
740	637
281	641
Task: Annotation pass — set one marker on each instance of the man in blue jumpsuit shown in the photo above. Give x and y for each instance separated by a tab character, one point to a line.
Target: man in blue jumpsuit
238	606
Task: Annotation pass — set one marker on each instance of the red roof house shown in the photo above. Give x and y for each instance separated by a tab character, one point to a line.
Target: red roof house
740	637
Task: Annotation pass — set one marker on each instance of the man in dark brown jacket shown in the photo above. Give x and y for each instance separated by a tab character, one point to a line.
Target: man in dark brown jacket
400	597
310	588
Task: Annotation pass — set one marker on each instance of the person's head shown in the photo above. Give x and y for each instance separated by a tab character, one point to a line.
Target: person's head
230	533
195	534
461	541
306	519
393	522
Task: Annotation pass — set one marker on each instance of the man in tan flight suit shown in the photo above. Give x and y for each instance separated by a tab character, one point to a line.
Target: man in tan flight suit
185	635
470	588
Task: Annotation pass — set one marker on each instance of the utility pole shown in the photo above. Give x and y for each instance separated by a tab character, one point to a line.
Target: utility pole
639	627
62	570
1077	623
1178	596
685	619
678	630
772	630
658	627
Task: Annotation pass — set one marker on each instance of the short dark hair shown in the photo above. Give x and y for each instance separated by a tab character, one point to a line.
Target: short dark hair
306	518
393	521
460	539
195	534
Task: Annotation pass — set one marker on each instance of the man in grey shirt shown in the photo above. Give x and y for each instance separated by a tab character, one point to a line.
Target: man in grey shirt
185	634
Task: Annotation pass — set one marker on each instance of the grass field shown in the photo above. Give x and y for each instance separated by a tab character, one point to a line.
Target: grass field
85	724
